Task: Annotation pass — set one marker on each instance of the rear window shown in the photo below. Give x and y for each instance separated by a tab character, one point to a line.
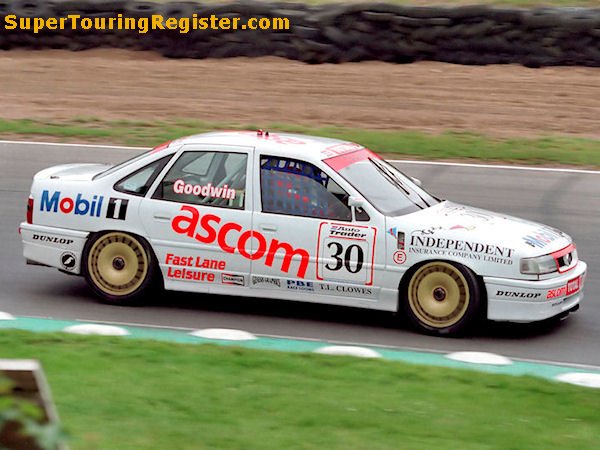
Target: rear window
132	160
140	181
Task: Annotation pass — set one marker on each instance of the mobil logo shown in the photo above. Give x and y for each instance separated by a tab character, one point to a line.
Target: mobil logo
79	206
84	206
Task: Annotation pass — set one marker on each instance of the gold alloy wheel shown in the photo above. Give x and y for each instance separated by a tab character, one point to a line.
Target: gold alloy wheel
438	294
117	264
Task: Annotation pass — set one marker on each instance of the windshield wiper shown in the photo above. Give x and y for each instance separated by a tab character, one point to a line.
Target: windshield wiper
396	182
416	191
392	179
389	176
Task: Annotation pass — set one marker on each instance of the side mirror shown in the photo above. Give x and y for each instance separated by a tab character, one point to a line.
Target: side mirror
358	213
416	181
356	202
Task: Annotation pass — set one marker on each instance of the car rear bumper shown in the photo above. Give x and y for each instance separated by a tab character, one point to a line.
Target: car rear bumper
54	247
530	301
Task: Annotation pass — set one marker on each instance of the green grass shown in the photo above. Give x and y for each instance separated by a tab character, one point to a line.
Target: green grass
451	145
115	393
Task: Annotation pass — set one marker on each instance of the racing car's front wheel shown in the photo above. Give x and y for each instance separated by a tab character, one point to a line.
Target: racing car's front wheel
442	298
119	267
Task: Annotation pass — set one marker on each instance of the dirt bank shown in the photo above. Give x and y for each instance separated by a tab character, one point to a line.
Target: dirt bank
112	84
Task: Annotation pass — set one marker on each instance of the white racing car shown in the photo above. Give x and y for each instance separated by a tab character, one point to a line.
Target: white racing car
295	218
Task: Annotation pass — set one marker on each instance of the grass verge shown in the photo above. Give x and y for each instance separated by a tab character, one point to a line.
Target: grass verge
130	394
569	151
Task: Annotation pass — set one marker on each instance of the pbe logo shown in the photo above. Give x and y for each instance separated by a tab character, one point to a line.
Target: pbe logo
298	285
80	206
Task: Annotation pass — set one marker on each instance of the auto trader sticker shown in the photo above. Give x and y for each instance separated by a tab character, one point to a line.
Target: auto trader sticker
346	253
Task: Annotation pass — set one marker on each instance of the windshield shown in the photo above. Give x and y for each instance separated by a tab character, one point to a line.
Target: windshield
382	185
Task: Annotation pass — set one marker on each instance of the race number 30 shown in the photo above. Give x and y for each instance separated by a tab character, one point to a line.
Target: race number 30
345	253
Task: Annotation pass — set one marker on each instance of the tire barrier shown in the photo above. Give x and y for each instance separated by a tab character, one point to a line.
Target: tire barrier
333	33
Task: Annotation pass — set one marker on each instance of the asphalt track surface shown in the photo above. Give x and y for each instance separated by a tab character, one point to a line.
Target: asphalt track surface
567	200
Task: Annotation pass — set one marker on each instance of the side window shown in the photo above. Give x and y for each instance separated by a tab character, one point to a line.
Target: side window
140	181
206	178
298	188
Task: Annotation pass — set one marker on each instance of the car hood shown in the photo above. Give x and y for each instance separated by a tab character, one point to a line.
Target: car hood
71	172
454	226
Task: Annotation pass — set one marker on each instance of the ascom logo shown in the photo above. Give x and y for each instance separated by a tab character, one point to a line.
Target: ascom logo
231	238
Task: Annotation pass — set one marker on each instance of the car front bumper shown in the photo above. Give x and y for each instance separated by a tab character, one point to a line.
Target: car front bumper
54	247
530	301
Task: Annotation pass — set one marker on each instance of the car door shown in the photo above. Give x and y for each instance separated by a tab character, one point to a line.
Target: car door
197	214
316	250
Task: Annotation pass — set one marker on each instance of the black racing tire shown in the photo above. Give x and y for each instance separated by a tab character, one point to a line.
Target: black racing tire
543	18
31	8
441	298
120	268
5	7
142	8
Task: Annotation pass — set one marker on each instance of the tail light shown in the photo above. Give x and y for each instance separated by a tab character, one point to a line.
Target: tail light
30	210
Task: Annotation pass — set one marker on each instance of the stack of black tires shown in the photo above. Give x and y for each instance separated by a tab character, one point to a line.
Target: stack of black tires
333	33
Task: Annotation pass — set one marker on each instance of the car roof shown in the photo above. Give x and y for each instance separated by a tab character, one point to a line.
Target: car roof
281	144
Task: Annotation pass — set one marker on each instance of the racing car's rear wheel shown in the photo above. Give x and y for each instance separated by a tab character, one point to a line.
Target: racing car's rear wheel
442	298
119	267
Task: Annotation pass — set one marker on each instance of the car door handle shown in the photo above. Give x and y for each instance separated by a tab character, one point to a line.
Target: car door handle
161	217
268	227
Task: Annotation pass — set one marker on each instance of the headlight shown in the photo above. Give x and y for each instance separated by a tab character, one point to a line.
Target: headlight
538	265
560	261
